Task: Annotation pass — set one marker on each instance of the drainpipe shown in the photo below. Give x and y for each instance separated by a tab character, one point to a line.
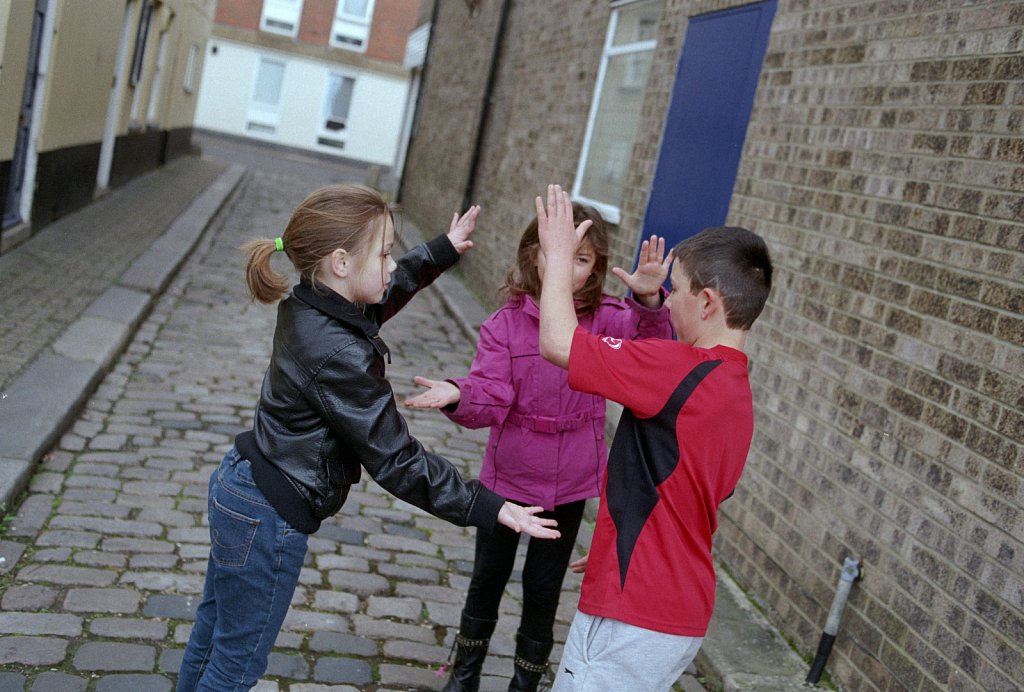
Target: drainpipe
419	98
850	573
485	111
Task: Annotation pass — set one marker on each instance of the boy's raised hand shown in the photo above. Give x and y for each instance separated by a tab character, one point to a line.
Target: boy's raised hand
558	241
440	393
555	224
525	520
462	227
651	269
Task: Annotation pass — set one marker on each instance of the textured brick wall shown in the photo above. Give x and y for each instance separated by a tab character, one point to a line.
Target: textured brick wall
317	20
439	154
244	14
884	163
392	22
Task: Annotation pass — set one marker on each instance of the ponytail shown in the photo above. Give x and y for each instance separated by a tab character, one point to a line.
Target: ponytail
265	284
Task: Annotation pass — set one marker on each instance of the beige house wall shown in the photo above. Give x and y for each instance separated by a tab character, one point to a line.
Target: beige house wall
884	164
66	160
196	17
14	18
81	69
83	64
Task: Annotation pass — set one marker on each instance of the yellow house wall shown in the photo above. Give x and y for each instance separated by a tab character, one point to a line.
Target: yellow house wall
81	72
196	20
83	60
15	32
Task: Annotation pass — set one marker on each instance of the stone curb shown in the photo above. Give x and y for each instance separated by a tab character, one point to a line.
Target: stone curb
39	405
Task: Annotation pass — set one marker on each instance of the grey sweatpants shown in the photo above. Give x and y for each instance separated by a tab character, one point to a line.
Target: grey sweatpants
602	654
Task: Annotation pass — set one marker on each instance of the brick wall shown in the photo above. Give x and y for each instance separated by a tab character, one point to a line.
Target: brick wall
884	163
439	154
392	22
244	14
317	20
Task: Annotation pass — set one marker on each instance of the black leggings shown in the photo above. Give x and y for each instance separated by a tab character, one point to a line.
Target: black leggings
546	562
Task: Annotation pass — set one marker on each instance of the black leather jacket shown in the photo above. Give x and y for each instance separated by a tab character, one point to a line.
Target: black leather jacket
326	409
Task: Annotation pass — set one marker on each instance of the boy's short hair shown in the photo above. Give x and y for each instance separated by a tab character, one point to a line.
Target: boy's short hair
733	261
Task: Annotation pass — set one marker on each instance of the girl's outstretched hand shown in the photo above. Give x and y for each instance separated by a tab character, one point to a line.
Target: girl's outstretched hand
524	520
440	393
462	227
651	269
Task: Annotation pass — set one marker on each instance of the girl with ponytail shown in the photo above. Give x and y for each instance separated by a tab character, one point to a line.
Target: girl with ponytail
325	413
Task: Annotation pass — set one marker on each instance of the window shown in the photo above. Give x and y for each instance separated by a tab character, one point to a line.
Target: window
351	28
615	111
281	16
269	77
264	108
337	104
191	68
141	36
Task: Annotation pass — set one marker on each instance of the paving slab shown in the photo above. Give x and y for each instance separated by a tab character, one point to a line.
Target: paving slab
743	651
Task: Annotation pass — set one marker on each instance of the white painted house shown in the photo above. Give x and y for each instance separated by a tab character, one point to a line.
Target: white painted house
285	72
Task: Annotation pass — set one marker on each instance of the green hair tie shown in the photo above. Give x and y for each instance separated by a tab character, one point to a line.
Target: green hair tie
279	244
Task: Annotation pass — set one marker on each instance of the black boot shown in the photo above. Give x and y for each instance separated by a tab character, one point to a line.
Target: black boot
531	663
470	650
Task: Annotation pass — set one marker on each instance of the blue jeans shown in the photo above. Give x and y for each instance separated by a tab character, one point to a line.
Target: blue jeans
255	559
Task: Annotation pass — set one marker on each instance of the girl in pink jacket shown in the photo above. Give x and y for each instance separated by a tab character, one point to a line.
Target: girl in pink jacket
547	442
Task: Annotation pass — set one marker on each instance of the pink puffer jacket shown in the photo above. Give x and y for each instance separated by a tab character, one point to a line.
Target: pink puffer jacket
547	442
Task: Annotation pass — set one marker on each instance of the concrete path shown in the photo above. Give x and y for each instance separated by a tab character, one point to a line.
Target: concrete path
102	561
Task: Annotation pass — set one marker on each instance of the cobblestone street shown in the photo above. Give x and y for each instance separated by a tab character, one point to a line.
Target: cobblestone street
105	557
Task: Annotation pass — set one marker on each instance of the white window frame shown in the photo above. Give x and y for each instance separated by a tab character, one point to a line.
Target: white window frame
335	139
611	213
275	11
359	23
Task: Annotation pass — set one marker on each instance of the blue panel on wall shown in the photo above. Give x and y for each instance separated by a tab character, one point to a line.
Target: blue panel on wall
707	120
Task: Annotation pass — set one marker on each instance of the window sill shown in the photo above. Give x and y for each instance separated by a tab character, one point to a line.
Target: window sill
611	214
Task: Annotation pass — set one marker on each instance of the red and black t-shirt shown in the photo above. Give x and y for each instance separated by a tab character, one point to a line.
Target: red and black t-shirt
678	452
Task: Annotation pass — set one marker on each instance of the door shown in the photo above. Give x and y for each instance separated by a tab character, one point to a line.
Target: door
707	120
15	185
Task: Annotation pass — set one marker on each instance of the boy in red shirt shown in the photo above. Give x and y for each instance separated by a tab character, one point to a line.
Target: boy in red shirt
678	452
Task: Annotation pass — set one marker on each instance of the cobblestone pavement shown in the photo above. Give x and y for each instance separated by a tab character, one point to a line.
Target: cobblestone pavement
103	561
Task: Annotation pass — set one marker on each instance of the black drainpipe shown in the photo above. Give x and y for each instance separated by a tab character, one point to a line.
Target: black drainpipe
485	111
419	97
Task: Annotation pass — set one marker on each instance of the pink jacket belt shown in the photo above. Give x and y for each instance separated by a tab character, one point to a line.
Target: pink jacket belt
550	424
